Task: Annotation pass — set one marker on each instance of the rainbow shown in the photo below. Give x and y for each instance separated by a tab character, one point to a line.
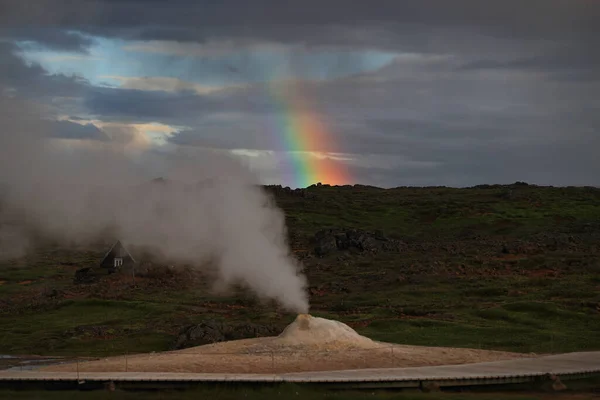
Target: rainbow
302	136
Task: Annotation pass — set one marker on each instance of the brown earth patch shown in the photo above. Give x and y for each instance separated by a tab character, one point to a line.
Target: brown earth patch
543	273
308	344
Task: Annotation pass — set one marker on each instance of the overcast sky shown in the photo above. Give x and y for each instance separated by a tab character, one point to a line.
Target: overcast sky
419	92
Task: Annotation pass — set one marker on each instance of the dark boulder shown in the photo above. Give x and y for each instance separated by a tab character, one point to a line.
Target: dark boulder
85	275
330	240
325	243
519	247
95	331
211	331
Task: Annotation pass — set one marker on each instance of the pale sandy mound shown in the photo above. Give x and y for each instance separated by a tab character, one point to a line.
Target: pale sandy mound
307	344
307	330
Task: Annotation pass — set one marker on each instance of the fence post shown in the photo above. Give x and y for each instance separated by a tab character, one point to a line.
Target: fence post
392	355
272	362
77	360
125	361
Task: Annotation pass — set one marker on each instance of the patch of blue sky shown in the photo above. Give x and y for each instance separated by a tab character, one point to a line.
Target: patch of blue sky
111	57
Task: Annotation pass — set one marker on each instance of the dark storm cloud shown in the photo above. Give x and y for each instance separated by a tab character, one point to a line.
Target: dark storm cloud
554	163
48	37
141	105
312	21
224	136
179	105
558	35
580	62
495	92
427	118
558	150
70	130
31	80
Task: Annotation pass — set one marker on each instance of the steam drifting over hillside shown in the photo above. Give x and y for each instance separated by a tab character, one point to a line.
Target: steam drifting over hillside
211	206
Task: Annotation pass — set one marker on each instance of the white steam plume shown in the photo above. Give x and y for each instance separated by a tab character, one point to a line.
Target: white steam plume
210	208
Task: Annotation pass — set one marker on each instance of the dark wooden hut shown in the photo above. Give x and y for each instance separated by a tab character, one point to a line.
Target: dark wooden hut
117	258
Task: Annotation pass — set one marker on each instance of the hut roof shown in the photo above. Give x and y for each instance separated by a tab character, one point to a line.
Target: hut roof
117	250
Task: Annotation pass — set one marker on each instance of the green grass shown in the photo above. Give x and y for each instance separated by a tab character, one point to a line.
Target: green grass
450	286
281	392
50	331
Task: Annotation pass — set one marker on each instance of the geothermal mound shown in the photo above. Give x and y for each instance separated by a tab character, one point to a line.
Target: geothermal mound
314	331
307	344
